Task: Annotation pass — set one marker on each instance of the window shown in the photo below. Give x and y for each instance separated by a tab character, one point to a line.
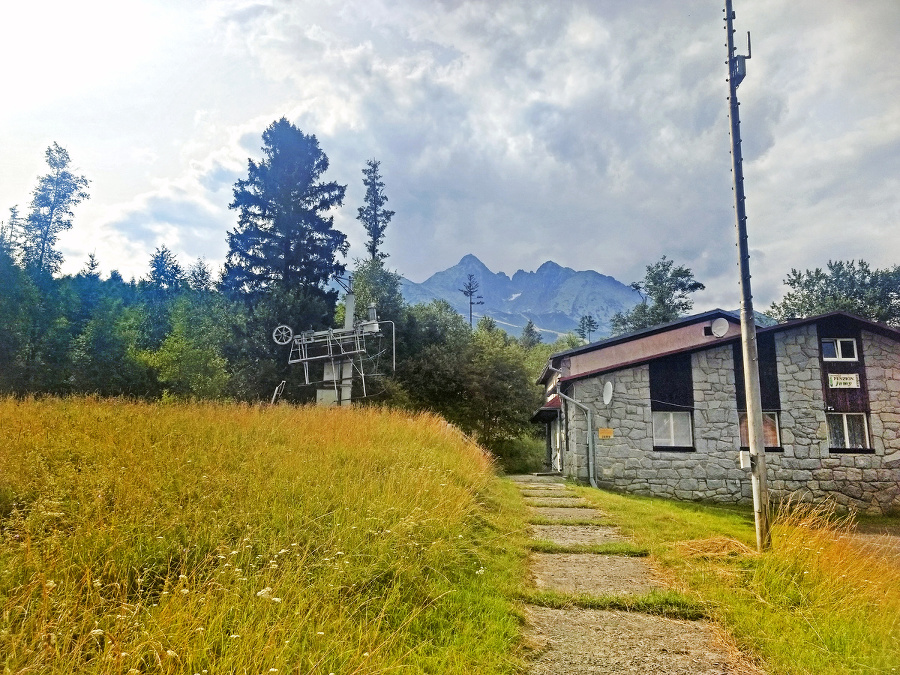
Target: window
671	401
672	430
771	429
839	349
848	431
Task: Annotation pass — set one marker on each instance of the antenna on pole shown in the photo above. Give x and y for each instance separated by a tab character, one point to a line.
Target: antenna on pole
737	70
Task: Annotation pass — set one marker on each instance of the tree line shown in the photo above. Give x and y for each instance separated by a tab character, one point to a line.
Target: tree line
185	331
851	286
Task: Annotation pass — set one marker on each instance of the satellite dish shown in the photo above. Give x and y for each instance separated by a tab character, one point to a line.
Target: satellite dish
607	393
720	327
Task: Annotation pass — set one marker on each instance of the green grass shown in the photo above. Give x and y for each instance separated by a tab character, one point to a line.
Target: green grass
180	538
671	604
817	602
624	548
599	520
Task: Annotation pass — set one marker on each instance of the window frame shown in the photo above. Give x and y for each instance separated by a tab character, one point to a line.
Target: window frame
743	424
838	351
868	449
671	446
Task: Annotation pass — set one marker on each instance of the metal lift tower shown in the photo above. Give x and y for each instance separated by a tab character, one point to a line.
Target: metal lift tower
343	352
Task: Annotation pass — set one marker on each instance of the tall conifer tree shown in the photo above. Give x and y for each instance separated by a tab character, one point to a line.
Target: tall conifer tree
283	239
373	215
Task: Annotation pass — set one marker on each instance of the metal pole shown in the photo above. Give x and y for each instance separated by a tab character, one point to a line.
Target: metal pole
347	364
736	73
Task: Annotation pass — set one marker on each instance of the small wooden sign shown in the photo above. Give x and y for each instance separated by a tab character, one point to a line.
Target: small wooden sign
843	381
604	432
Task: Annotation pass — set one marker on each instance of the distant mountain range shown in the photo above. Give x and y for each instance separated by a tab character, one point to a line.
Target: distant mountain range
553	297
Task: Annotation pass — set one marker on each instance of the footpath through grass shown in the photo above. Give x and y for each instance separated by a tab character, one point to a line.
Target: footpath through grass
189	538
818	602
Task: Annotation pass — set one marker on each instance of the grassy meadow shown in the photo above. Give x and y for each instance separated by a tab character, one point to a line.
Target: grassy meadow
818	601
213	538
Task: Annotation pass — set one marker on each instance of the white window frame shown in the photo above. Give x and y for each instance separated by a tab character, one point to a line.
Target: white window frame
844	416
670	442
772	414
838	351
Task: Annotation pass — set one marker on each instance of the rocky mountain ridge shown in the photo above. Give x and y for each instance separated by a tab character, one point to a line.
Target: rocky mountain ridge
553	297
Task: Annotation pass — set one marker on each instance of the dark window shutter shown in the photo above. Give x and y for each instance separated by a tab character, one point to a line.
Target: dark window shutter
671	383
768	373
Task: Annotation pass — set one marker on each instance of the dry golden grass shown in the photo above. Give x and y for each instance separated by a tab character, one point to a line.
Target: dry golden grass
821	600
232	538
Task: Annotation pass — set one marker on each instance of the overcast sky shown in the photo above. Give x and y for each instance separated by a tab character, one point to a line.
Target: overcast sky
593	133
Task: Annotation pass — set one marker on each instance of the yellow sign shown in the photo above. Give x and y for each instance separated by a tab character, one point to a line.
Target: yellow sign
604	432
848	381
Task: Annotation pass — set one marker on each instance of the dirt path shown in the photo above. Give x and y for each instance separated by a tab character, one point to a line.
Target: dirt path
574	641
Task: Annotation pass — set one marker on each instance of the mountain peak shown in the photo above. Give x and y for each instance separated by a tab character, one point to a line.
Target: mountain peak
471	262
553	297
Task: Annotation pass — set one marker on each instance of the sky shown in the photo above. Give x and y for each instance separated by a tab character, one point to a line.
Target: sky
593	133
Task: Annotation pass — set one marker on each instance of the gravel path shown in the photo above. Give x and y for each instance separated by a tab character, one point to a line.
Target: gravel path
575	641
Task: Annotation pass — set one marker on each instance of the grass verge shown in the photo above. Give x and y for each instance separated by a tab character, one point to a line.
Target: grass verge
616	548
671	604
818	601
538	520
229	538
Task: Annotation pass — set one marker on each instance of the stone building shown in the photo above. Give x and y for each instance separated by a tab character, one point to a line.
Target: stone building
662	411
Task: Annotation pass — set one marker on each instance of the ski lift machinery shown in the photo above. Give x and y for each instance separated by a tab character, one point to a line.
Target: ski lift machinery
346	353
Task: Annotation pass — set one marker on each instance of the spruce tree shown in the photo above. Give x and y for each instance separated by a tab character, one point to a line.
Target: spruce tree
373	215
283	239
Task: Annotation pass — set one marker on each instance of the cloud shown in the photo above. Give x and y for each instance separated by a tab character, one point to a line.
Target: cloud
591	133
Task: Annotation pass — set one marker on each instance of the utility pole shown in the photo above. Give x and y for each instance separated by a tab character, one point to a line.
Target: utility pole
737	70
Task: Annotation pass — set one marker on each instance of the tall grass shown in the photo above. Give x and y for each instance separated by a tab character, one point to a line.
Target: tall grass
231	538
828	597
819	601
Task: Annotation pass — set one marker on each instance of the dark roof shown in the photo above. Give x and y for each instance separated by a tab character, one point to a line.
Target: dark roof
878	328
711	315
549	411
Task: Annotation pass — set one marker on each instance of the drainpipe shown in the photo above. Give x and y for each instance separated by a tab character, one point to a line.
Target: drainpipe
589	417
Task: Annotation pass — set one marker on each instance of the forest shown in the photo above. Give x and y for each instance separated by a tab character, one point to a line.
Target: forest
184	331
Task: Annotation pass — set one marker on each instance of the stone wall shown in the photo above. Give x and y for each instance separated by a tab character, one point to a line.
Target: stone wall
628	461
805	468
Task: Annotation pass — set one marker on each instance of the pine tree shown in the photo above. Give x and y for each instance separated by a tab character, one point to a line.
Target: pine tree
530	336
373	215
283	238
586	326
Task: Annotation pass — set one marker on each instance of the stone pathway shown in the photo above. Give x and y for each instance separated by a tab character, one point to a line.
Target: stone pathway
575	641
